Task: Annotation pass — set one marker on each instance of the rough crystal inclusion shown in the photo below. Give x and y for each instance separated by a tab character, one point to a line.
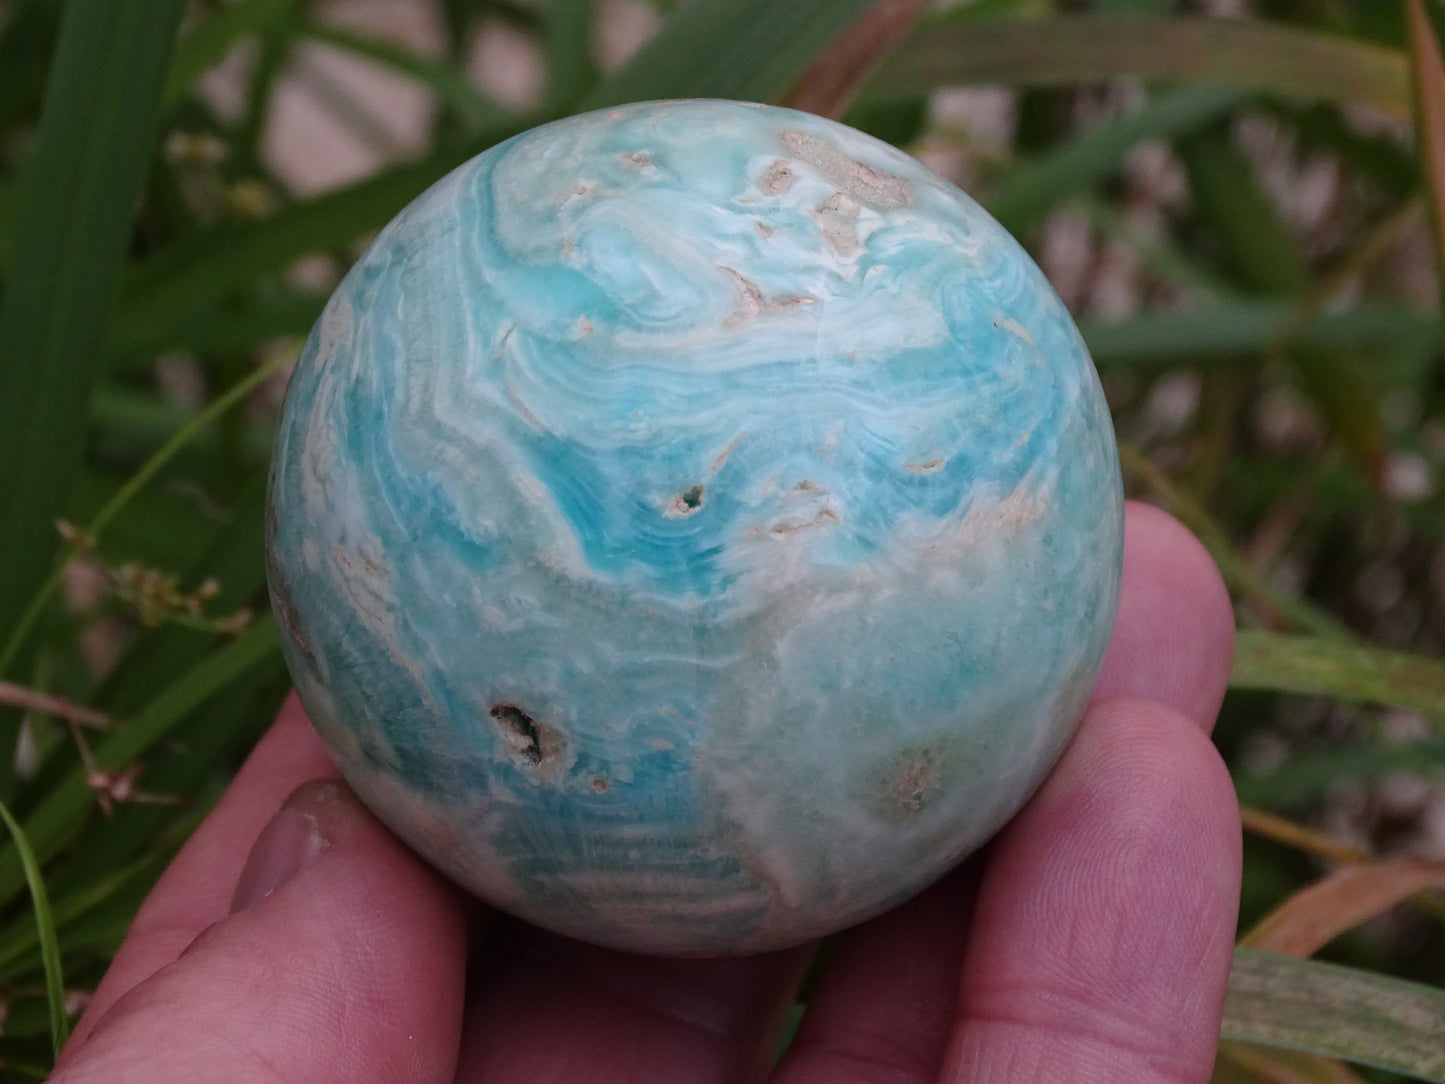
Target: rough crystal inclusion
696	526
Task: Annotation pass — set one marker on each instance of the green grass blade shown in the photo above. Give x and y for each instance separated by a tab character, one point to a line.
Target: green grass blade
1341	1012
1307	664
93	935
833	80
1266	257
200	749
1257	244
449	84
64	809
102	107
1428	68
272	52
1031	190
1273	58
20	941
1305	778
1160	254
206	44
229	330
233	396
571	68
751	50
27	38
45	927
1239	574
9	190
196	756
171	288
234	556
1238	329
122	413
1378	156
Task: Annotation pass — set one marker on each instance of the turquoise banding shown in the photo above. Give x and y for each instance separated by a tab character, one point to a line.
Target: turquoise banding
695	526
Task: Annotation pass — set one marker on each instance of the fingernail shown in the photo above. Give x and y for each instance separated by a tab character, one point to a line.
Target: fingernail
290	842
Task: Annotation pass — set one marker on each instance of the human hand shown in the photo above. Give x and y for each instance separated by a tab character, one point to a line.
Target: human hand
1090	941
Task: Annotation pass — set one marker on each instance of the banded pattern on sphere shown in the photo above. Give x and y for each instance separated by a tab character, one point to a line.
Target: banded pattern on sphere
695	526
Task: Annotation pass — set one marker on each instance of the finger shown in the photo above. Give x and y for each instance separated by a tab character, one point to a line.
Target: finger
1106	918
196	890
1174	637
882	1010
553	1010
1172	642
344	962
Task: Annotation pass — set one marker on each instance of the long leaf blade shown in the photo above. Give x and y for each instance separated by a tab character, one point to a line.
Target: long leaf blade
233	396
99	122
571	67
1306	664
752	50
1034	188
45	927
831	81
1253	326
64	809
206	44
1317	914
177	283
1243	1063
1341	1012
1267	57
1428	67
745	49
451	86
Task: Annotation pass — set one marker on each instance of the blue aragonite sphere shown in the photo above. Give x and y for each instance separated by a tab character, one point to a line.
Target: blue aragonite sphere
695	526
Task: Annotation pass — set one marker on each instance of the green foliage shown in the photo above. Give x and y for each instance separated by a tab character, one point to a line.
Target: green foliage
46	941
1327	1009
76	200
745	49
1272	188
1312	664
1291	61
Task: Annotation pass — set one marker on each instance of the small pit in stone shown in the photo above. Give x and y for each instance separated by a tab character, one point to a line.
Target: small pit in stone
529	741
687	502
908	784
915	784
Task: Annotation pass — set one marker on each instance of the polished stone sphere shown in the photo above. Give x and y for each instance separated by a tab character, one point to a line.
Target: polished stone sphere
694	526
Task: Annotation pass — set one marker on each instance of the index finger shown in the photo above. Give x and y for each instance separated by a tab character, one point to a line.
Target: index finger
1105	922
900	974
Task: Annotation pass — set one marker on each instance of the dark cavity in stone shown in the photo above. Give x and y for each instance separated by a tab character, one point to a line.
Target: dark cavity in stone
528	740
687	502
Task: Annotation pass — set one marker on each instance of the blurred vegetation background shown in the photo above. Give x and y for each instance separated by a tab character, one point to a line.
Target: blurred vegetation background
1242	202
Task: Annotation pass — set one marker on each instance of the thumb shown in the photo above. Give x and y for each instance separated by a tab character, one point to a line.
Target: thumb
342	959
